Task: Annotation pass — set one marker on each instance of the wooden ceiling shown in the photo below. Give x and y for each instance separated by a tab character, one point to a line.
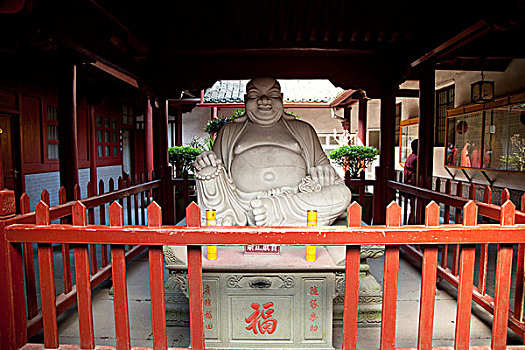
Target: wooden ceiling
171	45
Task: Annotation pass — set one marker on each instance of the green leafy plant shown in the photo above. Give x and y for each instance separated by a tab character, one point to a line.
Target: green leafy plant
213	126
204	144
353	158
181	157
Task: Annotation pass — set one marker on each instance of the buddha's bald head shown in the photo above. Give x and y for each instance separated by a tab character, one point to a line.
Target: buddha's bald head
264	83
264	101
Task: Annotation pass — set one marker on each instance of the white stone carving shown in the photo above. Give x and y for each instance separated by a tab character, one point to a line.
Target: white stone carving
267	168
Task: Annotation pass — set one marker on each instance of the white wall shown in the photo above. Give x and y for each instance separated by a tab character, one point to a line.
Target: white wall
193	124
36	183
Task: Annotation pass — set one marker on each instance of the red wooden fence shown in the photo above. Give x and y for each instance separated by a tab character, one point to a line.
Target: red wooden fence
97	274
194	237
450	270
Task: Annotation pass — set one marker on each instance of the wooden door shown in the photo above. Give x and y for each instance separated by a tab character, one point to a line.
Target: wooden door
7	143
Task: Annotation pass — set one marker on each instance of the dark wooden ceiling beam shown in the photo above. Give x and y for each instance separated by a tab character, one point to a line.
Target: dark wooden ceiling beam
475	31
407	93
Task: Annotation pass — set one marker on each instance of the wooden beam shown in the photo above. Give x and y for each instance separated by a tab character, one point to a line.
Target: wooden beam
116	73
457	41
407	93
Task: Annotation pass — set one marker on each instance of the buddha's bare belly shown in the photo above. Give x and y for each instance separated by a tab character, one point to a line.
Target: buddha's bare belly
267	167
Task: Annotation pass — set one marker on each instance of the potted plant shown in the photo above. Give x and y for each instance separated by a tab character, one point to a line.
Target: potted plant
354	159
181	158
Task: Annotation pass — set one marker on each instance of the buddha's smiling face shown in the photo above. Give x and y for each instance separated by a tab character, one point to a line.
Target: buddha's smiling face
264	101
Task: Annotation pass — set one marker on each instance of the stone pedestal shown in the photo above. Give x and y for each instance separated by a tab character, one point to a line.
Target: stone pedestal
248	305
306	305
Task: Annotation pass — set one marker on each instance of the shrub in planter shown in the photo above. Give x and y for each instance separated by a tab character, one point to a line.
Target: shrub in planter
353	158
213	126
181	158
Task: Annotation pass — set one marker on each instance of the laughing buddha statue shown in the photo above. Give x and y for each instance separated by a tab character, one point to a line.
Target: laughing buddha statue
267	168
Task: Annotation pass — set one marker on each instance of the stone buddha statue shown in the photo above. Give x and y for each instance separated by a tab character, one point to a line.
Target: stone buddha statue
267	168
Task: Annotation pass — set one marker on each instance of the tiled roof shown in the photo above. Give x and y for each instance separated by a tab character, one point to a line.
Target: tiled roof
294	91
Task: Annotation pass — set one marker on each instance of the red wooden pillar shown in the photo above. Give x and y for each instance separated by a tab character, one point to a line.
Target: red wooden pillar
361	126
67	131
148	137
386	160
2	170
178	126
346	123
92	150
161	164
426	124
425	155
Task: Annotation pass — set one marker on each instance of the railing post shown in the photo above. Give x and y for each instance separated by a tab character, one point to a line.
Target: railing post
193	219
390	282
352	265
47	282
428	283
10	336
156	281
502	287
466	281
120	292
82	270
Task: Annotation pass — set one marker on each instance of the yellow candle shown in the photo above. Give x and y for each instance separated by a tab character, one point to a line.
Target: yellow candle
211	220
311	220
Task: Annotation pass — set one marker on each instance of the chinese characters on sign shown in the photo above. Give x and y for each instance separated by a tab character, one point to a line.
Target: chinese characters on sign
313	309
261	321
263	249
210	311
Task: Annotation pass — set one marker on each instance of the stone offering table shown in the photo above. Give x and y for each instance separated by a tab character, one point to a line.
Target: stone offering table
265	301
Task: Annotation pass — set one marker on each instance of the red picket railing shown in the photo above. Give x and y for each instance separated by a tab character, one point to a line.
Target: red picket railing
450	270
63	212
392	235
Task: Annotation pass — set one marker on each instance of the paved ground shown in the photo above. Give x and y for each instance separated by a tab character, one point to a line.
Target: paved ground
407	318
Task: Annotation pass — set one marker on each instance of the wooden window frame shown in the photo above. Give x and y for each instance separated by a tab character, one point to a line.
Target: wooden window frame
112	159
402	124
441	120
48	141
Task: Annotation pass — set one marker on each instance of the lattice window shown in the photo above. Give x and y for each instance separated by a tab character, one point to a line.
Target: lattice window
52	132
107	137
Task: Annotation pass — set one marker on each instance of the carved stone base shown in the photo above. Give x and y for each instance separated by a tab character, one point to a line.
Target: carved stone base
370	293
177	307
370	299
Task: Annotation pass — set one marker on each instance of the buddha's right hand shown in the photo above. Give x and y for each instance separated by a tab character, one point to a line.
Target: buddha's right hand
205	159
